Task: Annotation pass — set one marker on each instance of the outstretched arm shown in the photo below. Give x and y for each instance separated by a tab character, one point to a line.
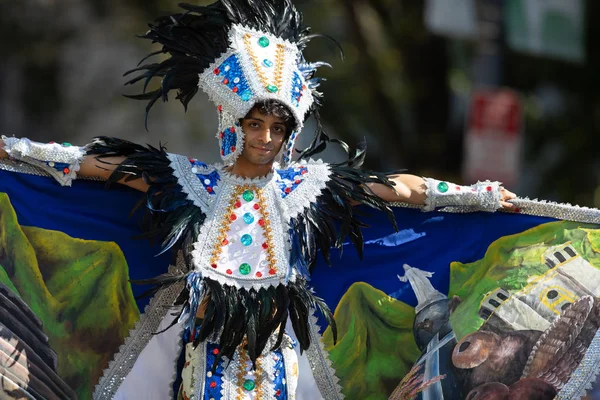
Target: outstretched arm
91	167
412	189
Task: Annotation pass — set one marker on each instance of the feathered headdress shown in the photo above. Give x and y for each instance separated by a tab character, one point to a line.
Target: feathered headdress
239	52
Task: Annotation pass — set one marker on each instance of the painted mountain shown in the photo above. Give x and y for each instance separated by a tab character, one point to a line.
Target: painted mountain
79	289
375	346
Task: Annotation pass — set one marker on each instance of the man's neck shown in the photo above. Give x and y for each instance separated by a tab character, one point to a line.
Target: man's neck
246	169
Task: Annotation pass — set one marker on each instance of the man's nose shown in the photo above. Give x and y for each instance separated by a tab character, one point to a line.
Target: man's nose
265	135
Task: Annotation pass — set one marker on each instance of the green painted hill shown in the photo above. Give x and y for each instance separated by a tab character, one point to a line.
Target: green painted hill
78	288
510	261
375	347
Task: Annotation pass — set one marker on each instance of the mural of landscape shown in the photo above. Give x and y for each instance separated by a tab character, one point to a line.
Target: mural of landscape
79	291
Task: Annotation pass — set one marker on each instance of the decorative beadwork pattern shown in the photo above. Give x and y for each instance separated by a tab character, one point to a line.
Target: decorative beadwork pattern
232	76
61	161
482	196
271	72
290	179
183	170
228	141
314	181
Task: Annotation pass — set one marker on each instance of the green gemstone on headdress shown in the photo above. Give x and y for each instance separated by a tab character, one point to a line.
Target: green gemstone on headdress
248	195
249	384
245	269
263	41
272	88
67	144
442	187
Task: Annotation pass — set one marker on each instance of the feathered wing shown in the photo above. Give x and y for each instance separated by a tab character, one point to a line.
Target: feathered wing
170	217
332	218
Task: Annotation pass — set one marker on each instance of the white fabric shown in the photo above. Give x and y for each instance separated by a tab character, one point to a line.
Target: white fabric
152	374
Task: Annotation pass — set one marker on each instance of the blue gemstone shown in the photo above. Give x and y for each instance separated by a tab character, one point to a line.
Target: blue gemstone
248	218
246	240
268	63
246	96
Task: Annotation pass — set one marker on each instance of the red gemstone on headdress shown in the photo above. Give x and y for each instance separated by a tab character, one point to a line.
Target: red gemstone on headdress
214	266
304	172
256	206
217	71
192	160
265	245
233	217
238	204
272	271
259	274
225	242
66	171
288	190
215	351
235	89
222	152
229	272
261	222
232	149
221	135
278	392
232	129
297	181
489	188
226	81
220	108
209	189
213	384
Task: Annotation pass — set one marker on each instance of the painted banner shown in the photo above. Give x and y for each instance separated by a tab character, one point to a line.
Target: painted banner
452	306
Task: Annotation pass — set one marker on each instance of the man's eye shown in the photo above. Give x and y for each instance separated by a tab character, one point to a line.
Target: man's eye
253	125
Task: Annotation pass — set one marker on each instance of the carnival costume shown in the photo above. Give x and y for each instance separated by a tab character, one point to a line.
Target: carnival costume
247	245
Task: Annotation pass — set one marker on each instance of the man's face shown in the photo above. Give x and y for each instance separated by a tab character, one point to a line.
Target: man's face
265	135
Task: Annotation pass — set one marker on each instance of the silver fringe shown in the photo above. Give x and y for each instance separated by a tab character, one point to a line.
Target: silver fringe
139	337
318	358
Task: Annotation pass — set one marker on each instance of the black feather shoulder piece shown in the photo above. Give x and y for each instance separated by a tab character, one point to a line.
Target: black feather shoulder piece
327	222
169	216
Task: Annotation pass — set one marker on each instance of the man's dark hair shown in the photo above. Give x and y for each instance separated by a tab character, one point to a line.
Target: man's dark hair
279	110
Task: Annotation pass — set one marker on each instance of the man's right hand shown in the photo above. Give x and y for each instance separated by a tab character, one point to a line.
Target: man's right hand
3	154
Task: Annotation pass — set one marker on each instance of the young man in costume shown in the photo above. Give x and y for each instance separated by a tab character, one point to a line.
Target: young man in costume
249	229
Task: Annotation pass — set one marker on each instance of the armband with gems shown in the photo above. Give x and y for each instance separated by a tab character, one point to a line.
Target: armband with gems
61	161
482	196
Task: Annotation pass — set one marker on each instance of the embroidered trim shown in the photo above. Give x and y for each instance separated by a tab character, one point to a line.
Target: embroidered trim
290	365
482	196
60	161
190	183
323	371
139	337
200	370
306	193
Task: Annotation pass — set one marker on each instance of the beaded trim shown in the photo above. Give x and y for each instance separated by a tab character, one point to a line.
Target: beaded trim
189	182
482	196
210	235
60	161
281	62
323	371
314	181
290	362
139	337
585	375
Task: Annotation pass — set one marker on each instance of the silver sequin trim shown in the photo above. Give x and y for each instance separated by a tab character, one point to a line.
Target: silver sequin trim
139	337
584	376
189	182
323	372
475	197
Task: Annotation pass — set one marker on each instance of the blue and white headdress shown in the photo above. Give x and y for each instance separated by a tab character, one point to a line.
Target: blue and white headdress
240	52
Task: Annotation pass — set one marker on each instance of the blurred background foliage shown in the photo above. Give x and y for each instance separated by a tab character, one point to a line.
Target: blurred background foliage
403	88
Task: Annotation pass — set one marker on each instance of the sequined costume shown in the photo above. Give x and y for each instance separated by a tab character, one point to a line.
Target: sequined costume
247	245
